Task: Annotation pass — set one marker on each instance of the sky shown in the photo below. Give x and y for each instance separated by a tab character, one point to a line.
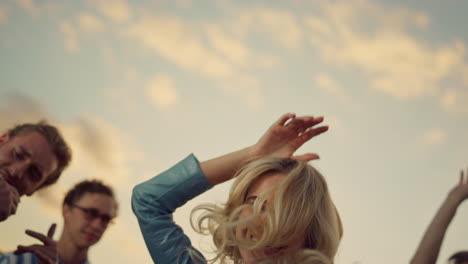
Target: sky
135	86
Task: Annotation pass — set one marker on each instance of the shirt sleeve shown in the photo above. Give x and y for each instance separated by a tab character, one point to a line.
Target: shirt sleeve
154	202
25	258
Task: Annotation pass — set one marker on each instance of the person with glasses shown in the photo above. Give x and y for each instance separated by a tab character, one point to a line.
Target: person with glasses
88	210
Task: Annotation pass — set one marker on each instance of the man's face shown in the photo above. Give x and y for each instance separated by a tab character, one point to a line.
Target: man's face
26	161
88	218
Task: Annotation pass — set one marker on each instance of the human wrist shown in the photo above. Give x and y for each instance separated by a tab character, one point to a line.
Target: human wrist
453	200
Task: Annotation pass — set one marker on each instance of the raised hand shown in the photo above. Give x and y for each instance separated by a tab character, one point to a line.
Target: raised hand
460	192
429	247
9	199
47	253
288	134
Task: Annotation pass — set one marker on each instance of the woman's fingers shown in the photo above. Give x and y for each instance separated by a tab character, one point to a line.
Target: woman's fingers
306	157
308	134
284	118
303	123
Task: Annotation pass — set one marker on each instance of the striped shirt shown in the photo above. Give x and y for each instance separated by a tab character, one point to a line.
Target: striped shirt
25	258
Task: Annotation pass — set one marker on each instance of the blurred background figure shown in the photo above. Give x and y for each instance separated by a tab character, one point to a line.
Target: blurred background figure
429	247
88	210
32	156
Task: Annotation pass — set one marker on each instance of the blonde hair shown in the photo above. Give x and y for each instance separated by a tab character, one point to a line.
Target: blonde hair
302	205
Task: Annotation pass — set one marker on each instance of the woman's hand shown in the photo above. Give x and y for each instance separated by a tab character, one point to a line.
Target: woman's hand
288	134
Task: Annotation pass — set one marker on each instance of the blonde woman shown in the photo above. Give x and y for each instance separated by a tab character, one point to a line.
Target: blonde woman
279	208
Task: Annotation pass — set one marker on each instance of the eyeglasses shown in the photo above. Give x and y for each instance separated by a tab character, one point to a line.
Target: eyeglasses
93	213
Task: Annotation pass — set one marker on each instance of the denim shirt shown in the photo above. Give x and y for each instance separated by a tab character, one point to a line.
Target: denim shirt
154	202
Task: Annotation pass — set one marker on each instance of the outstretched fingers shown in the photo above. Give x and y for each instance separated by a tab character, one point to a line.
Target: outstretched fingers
284	118
47	240
50	233
303	123
311	132
306	157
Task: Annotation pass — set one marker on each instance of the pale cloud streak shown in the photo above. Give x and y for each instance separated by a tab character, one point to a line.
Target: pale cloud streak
117	11
89	23
175	40
70	37
280	25
30	6
179	42
3	15
454	101
433	137
329	85
161	91
231	48
395	62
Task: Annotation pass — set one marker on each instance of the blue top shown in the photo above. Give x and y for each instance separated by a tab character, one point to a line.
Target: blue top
25	258
153	203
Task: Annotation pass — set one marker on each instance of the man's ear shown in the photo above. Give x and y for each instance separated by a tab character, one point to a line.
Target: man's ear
4	138
66	210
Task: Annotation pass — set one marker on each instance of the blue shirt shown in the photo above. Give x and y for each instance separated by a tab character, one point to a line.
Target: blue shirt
154	202
25	258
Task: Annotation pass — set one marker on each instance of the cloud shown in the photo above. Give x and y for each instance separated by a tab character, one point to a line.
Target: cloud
433	137
161	91
17	109
175	40
3	15
89	23
454	101
29	6
336	125
231	48
377	41
281	26
326	83
100	149
70	37
181	43
116	10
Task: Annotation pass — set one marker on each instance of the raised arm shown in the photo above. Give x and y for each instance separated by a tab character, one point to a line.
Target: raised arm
155	200
429	247
282	139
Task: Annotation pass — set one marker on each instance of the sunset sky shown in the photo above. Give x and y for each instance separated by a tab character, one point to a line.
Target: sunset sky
136	86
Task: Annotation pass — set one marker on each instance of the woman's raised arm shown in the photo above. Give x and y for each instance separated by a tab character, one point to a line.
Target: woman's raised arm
282	139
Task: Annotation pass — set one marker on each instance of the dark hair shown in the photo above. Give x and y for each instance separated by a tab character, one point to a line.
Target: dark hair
59	147
459	257
87	186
